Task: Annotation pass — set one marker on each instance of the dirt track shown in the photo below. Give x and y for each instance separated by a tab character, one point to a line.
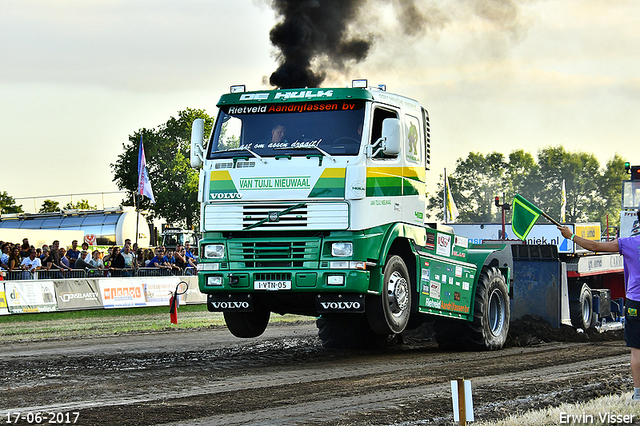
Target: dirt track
285	377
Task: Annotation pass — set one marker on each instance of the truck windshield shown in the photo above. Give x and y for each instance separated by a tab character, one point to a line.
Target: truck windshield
296	129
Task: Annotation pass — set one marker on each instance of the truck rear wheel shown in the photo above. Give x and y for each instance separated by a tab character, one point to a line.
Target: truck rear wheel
581	307
247	324
389	312
490	326
348	331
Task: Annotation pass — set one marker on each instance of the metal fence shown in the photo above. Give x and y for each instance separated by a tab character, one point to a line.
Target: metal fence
56	274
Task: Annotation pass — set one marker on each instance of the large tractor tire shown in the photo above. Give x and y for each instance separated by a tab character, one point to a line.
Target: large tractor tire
581	307
349	331
247	324
389	312
490	326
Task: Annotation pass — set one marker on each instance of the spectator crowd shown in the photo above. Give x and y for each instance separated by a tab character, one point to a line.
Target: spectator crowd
24	261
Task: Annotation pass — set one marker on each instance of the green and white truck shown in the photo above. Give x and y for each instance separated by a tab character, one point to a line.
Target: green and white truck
313	203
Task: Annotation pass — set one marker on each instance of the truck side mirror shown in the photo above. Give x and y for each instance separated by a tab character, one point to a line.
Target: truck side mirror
389	141
391	136
197	149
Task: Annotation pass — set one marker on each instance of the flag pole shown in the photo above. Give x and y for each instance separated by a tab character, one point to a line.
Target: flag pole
552	220
137	216
563	208
444	197
137	195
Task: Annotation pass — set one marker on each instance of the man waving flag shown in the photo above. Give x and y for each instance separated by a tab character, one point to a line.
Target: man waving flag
144	186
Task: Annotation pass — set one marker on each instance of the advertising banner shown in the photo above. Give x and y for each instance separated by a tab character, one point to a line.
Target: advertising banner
541	233
590	231
158	290
78	294
3	302
629	226
121	292
30	296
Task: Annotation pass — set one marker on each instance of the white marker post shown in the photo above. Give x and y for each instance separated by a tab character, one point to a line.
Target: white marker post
462	401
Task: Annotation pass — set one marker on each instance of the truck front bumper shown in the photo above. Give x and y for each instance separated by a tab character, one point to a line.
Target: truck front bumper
290	280
304	292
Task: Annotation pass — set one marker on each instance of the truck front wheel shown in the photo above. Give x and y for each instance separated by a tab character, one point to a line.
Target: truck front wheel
389	312
247	324
490	325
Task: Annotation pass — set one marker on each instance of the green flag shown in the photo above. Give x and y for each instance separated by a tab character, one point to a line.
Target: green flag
524	217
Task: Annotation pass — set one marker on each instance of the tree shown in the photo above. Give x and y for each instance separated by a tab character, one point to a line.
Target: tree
581	172
174	182
522	174
478	179
611	191
49	206
592	193
80	205
8	204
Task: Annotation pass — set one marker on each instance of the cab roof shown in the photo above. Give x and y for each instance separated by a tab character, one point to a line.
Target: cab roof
311	94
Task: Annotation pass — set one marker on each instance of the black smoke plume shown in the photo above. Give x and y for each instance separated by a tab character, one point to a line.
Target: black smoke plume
314	36
311	30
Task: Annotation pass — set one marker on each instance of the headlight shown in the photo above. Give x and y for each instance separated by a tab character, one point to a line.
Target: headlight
214	251
342	249
335	279
214	281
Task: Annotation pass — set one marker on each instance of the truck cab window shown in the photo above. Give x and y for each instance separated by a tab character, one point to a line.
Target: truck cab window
230	133
379	115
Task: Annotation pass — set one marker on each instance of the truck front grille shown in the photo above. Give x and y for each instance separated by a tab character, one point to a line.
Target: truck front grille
272	277
274	254
312	216
253	213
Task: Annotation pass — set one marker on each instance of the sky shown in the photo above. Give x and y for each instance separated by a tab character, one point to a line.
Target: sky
79	76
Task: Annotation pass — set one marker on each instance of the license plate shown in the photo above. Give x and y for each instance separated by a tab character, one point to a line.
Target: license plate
272	285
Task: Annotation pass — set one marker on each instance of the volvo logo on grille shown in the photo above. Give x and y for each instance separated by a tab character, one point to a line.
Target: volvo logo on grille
274	217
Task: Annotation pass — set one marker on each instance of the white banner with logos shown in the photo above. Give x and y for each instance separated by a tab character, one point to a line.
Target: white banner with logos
158	290
30	296
541	233
121	292
33	296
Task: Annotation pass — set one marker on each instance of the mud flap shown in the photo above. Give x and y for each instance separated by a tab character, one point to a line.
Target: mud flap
340	303
230	302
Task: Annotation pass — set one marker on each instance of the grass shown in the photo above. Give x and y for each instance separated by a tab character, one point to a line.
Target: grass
108	322
605	410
